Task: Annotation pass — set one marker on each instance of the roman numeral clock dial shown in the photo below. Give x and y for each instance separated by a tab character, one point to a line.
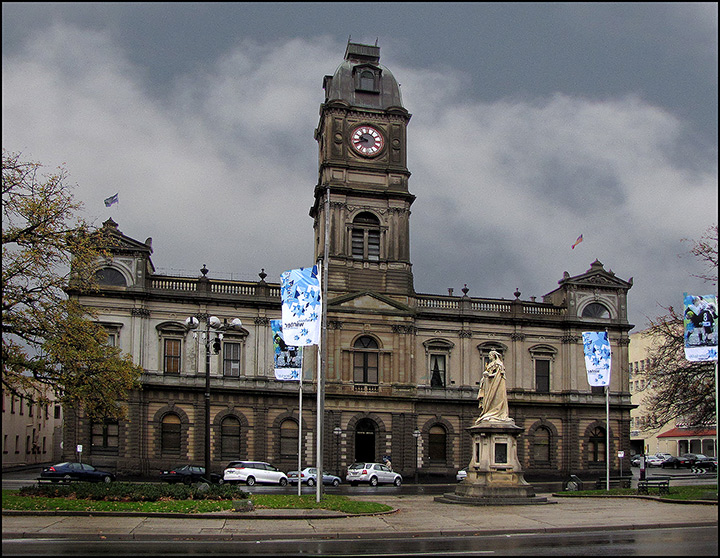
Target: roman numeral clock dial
367	140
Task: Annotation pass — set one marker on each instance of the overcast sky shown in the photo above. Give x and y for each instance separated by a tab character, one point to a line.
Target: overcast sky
532	123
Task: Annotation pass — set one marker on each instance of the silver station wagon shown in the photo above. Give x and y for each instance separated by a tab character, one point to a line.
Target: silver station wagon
373	474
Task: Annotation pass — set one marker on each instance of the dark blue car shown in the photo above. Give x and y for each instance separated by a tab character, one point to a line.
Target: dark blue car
70	471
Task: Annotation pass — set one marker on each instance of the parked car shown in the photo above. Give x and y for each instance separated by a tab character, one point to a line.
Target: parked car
685	460
705	462
373	474
663	456
650	461
188	474
461	475
309	476
76	471
251	472
653	461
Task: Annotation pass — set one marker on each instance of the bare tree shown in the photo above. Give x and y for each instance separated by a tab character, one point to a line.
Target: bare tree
681	389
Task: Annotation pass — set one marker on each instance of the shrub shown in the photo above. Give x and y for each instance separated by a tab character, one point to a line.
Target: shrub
134	492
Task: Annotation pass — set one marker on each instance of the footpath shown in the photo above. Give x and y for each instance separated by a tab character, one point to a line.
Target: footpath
418	515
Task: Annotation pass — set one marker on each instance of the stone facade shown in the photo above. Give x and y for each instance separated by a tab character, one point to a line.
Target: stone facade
398	361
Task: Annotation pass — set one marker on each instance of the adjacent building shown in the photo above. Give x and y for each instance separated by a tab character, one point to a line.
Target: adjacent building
31	428
403	367
674	437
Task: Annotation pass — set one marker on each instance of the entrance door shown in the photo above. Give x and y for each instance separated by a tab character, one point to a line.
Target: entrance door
365	441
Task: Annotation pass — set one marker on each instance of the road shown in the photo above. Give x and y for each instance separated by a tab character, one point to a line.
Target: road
687	541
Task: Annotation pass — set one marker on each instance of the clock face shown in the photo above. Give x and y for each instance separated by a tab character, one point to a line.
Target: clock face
367	140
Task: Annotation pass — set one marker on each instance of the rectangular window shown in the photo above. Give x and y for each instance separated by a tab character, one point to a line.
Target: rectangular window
373	245
437	370
172	356
542	375
365	370
57	412
105	436
231	359
358	244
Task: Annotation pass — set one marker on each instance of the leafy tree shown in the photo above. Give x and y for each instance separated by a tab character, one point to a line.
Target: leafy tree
679	388
49	341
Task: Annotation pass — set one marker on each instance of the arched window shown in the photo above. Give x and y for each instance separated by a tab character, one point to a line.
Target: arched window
110	277
597	445
366	237
170	434
541	445
596	310
437	448
230	438
365	360
366	80
288	439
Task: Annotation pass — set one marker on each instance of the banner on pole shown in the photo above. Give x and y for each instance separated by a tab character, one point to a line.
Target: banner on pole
700	320
597	357
288	359
301	306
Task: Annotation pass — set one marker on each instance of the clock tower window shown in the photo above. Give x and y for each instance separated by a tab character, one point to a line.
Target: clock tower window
365	237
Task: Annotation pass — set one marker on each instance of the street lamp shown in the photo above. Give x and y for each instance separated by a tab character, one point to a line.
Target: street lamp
338	432
217	326
417	435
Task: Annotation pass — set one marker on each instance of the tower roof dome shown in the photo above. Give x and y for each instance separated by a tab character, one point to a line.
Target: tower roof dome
361	81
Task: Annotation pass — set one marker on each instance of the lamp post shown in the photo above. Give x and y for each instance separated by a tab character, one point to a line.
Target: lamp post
211	323
338	432
417	435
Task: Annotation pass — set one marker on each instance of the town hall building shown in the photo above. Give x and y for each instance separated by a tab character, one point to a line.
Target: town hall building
403	368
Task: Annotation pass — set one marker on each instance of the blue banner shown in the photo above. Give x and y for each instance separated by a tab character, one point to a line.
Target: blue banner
700	320
301	306
597	357
287	359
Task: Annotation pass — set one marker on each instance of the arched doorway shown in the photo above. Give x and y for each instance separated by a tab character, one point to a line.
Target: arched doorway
365	440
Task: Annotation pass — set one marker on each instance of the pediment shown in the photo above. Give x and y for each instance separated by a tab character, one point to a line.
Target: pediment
368	302
596	276
124	243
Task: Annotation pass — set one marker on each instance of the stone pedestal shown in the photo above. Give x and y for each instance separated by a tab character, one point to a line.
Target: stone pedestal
494	476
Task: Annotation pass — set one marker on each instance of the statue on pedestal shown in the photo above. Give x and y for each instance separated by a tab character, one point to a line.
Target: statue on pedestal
492	394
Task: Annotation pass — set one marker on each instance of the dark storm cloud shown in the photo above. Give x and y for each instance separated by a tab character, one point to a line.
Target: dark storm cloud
532	123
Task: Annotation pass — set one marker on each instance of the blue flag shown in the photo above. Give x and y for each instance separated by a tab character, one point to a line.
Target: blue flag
597	357
111	200
301	306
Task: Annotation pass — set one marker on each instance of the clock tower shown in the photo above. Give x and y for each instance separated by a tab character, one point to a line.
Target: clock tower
362	203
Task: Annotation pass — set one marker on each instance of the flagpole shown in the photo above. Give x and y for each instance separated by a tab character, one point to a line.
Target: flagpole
322	348
299	469
607	437
607	418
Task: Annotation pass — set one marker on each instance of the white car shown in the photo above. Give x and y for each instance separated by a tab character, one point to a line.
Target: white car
251	472
373	474
461	475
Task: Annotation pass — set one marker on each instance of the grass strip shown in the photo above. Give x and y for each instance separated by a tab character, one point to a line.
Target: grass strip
11	500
